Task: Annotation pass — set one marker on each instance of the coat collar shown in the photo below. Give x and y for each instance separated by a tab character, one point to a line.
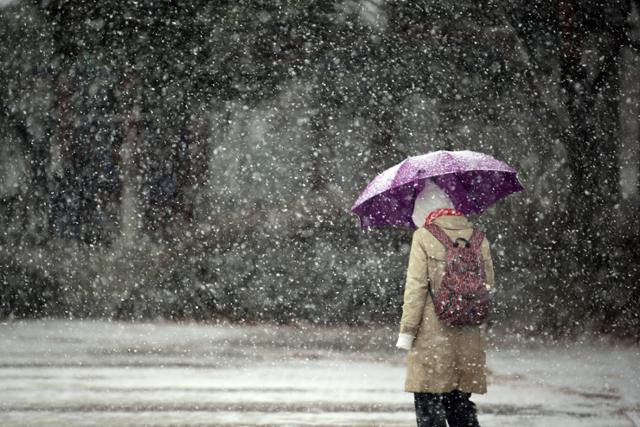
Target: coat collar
453	222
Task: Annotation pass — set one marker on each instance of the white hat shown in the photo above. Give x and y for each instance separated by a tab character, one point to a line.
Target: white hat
429	199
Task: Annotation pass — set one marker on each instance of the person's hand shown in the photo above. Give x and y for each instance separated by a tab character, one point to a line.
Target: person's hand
405	341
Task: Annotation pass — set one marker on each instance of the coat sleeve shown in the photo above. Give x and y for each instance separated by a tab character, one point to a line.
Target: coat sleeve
489	275
415	289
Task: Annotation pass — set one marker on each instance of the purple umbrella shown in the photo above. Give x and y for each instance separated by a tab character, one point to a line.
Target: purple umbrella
473	181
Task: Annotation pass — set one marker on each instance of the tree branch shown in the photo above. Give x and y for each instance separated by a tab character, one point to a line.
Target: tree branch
19	126
633	44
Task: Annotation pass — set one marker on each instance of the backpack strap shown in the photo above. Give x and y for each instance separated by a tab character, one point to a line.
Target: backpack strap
476	238
474	241
439	234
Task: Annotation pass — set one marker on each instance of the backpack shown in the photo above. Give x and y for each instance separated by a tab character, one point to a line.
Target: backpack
462	298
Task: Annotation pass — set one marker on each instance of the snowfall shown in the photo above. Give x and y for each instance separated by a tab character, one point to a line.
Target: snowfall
99	373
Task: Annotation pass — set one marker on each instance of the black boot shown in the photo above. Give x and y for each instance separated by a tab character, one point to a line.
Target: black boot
430	411
461	412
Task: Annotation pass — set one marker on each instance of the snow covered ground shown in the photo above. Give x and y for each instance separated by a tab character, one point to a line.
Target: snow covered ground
79	373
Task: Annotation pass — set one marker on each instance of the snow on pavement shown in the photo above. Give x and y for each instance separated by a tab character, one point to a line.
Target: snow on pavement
97	373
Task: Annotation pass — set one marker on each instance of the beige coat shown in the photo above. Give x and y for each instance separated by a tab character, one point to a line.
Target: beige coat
442	358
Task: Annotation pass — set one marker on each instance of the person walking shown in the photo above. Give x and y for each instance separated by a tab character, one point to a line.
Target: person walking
445	363
449	276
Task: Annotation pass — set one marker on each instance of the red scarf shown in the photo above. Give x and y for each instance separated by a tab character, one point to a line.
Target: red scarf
441	212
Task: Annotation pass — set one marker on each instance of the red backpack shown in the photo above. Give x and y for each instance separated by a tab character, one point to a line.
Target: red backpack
462	298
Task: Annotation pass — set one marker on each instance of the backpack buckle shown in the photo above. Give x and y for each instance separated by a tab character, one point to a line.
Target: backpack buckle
466	242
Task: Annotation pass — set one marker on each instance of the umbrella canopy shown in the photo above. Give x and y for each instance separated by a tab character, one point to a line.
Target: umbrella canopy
473	181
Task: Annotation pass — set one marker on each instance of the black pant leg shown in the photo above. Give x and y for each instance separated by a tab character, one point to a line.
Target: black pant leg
461	412
430	411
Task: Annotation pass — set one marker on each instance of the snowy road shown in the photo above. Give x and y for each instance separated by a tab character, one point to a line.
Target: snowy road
71	373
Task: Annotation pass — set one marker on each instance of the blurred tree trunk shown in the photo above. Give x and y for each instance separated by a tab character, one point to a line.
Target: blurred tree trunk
384	144
199	172
577	137
185	178
130	223
36	207
592	140
65	220
592	137
319	141
65	223
40	206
